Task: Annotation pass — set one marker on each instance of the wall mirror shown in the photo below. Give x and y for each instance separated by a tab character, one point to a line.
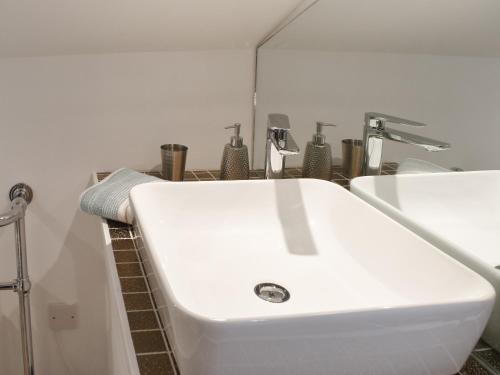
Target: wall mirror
437	62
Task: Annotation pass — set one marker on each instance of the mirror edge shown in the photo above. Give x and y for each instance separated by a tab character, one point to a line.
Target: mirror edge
300	9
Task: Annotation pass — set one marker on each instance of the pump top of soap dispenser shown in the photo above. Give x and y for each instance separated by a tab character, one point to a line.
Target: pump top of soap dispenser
236	139
319	138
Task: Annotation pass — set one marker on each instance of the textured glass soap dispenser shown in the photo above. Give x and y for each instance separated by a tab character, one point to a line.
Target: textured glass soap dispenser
235	165
318	155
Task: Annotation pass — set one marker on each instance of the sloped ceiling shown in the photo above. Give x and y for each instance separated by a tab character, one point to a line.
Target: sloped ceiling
440	27
59	27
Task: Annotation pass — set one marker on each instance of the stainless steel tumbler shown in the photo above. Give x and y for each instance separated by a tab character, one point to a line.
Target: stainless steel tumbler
173	161
352	157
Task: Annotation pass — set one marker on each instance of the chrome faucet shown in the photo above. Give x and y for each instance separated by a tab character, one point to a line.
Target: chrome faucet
375	132
279	144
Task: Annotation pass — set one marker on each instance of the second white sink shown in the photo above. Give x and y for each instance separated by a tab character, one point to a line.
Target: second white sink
365	295
457	212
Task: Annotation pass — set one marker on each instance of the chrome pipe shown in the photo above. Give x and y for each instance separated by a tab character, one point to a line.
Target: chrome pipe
10	217
20	196
8	285
23	294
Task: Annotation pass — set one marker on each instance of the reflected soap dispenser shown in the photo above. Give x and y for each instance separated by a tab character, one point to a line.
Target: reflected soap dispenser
235	165
318	155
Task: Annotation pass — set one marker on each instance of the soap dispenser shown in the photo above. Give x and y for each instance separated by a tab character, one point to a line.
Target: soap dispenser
235	165
318	155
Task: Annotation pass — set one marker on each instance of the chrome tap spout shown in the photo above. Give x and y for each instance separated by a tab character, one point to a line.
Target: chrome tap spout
375	131
279	144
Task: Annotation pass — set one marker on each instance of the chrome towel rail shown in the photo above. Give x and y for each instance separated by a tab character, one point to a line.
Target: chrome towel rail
21	195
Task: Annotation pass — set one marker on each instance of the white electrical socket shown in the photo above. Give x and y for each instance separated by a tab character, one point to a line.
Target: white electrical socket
63	316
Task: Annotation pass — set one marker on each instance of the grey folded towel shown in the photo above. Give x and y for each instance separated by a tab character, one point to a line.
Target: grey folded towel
110	197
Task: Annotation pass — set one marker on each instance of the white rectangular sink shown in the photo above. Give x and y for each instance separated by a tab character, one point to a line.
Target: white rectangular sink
457	212
366	295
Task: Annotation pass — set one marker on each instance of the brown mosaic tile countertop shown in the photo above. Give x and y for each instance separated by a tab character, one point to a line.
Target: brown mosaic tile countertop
154	352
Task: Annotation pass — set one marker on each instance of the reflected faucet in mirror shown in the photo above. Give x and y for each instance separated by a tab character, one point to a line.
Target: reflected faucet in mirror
375	131
279	144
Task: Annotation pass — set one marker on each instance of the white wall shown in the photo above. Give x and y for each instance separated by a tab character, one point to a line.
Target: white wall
458	97
69	27
452	27
64	117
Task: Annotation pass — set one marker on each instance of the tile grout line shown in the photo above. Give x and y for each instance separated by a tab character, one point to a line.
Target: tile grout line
135	292
150	353
195	176
131	277
139	310
146	330
131	232
211	175
481	350
486	366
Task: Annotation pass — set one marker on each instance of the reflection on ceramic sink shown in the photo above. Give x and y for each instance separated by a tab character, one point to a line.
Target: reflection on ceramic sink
367	296
457	212
417	166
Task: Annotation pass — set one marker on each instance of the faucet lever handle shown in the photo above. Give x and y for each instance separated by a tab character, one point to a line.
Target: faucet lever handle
278	121
381	119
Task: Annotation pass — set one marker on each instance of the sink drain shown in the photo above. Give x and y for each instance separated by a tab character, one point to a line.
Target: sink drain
272	292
